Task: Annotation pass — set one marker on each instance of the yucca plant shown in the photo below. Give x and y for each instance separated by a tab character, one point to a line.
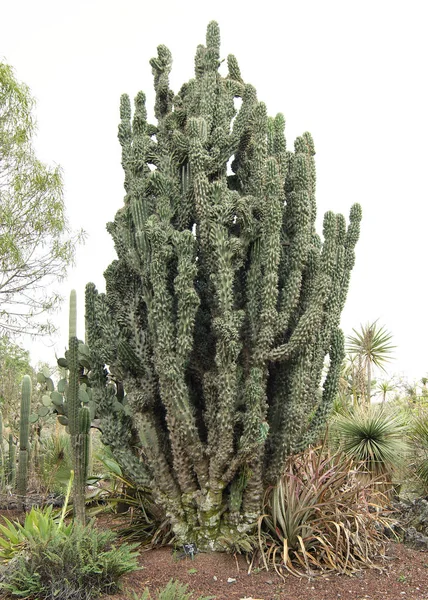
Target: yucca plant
319	517
419	440
371	346
373	436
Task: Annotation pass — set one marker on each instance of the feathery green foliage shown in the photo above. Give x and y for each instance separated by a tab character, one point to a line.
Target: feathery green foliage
14	364
223	302
36	243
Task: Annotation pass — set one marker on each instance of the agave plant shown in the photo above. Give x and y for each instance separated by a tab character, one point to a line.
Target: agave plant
40	527
317	517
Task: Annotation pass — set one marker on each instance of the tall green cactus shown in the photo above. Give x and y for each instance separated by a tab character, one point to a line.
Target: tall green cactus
222	305
79	420
73	404
11	471
24	434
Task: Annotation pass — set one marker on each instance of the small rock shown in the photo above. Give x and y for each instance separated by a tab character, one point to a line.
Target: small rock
415	539
231	580
215	577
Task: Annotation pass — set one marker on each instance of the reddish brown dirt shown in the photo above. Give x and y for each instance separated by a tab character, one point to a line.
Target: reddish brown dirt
403	576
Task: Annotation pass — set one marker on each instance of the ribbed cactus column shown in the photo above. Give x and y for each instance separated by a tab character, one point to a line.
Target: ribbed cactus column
222	305
79	421
24	434
11	470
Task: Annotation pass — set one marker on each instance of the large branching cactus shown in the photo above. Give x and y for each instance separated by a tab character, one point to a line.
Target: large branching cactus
223	304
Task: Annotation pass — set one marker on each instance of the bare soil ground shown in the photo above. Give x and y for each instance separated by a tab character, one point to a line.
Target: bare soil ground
402	575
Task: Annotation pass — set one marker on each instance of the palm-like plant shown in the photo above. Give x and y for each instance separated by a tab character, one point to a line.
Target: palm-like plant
384	387
372	347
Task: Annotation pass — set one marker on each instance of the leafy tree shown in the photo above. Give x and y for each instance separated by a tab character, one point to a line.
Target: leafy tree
372	348
14	364
36	243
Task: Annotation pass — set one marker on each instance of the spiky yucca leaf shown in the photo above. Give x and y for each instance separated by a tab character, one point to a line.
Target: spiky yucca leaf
373	436
419	439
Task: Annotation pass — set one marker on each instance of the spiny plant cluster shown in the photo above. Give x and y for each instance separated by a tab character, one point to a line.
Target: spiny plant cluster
222	305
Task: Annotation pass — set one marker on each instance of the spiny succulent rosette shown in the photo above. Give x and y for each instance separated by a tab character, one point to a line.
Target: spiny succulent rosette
222	305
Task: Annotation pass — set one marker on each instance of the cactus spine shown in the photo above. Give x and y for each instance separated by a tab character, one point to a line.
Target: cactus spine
24	434
223	302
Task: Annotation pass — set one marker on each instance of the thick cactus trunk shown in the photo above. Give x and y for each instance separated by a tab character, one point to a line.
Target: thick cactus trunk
223	303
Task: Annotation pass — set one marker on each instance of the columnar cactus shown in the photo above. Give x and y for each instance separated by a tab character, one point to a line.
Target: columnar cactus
79	420
24	433
79	424
222	305
11	470
72	404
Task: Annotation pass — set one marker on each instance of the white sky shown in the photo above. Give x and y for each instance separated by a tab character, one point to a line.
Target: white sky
353	73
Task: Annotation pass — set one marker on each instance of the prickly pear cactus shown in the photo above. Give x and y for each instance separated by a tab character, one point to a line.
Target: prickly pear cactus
222	305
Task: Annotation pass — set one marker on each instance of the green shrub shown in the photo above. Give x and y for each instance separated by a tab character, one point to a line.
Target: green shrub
174	590
47	560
